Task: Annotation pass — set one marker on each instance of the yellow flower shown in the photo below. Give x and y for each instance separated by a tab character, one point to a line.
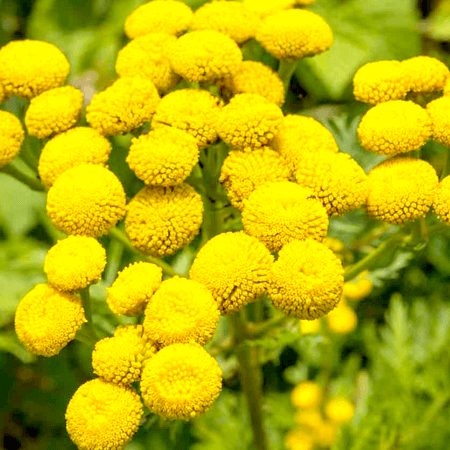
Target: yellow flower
307	394
309	418
74	147
11	137
309	326
103	415
326	434
28	68
87	200
192	110
299	439
125	105
267	7
334	244
401	190
254	77
2	93
133	288
161	220
181	382
394	127
158	16
441	201
425	74
278	213
47	319
342	320
359	290
75	263
307	279
146	56
234	267
438	110
294	34
243	172
447	87
163	157
304	2
249	121
339	410
181	311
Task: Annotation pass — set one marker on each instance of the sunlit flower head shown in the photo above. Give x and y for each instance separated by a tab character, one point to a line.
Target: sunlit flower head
342	320
439	112
309	326
265	8
441	201
358	290
425	74
11	137
339	410
307	394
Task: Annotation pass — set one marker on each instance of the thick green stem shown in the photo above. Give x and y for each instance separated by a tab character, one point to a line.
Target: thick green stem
31	182
28	157
115	252
90	332
286	70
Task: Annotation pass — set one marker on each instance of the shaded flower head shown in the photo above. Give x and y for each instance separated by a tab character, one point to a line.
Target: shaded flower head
441	200
339	410
439	113
306	395
11	137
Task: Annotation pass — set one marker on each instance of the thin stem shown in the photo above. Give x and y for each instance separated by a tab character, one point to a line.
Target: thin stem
86	299
28	157
256	331
33	183
115	252
286	70
445	166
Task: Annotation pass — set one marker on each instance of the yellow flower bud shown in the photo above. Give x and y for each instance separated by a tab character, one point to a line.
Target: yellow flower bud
425	74
11	137
339	410
306	395
342	319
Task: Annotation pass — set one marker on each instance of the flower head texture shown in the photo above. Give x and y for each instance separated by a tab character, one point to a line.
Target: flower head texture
181	311
339	410
307	279
401	189
278	213
162	220
441	201
205	55
234	267
47	319
158	16
74	147
342	320
265	8
125	105
294	34
54	111
103	415
425	74
306	395
439	113
181	382
28	67
133	288
163	157
11	137
86	200
394	127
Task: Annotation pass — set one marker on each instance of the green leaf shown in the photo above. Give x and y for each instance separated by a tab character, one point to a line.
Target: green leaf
10	343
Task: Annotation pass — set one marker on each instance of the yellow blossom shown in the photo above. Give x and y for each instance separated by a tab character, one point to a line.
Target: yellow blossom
339	410
342	320
309	326
439	113
425	74
441	200
359	290
2	93
304	2
267	7
447	87
299	439
310	418
306	394
326	433
11	137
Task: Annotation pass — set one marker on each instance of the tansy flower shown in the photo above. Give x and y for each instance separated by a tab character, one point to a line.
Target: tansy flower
181	382
11	137
306	394
54	111
2	93
249	121
87	200
28	68
266	7
205	55
254	77
326	433
234	267
278	213
47	319
307	279
146	56
103	415
158	16
394	127
447	87
359	290
342	319
299	439
439	113
162	220
164	157
339	410
310	419
181	311
294	34
309	326
425	74
74	147
192	110
133	288
75	263
441	200
125	105
401	190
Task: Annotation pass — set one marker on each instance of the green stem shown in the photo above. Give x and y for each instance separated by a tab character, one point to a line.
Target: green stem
32	183
286	70
256	331
86	299
445	166
115	252
28	157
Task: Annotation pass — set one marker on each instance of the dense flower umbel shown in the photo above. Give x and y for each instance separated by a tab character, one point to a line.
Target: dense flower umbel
47	319
307	395
401	189
425	74
439	112
267	7
234	267
441	201
28	68
87	200
181	311
103	415
307	279
11	137
339	410
181	381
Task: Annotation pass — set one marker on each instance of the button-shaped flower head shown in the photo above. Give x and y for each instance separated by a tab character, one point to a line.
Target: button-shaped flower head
439	112
267	7
307	395
11	137
441	201
342	320
339	410
425	74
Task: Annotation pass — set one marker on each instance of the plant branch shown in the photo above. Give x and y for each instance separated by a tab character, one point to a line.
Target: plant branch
33	183
285	71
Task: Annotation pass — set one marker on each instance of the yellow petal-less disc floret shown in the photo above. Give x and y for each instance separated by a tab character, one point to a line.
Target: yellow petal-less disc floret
425	74
342	320
28	67
307	279
441	201
439	112
47	319
394	127
74	147
205	55
181	382
163	157
339	410
86	200
294	34
54	111
158	16
11	137
401	189
278	213
103	415
125	105
234	267
181	311
265	8
162	220
306	395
